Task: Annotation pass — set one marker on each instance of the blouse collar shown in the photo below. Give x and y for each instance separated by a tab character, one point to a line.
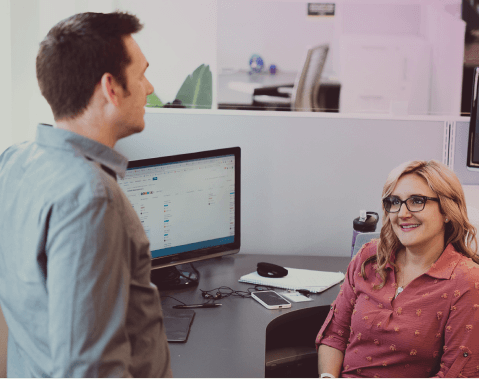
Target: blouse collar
443	267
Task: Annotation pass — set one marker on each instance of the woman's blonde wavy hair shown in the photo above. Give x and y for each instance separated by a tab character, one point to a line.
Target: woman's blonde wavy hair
459	231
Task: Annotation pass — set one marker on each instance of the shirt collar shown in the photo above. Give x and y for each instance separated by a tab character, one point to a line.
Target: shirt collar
109	159
445	265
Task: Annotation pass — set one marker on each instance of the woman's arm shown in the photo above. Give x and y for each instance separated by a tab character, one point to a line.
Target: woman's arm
330	360
461	346
332	338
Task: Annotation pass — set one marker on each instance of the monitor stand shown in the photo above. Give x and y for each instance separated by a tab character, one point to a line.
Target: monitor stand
170	278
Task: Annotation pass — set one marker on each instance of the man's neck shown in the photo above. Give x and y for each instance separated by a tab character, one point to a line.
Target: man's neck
92	128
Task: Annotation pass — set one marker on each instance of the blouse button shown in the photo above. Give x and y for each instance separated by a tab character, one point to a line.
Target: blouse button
465	355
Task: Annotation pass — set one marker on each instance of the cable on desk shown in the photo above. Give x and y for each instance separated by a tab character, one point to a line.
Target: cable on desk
173	299
259	287
191	277
224	291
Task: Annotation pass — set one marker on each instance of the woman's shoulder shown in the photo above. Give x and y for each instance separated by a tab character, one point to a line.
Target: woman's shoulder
466	271
368	250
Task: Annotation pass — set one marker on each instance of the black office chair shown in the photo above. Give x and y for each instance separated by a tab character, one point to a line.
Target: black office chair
363	238
303	94
290	348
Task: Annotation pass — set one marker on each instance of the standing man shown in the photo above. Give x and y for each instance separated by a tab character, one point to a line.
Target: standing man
74	259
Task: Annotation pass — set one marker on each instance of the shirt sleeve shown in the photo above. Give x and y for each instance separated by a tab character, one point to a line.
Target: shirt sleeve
460	356
88	289
336	328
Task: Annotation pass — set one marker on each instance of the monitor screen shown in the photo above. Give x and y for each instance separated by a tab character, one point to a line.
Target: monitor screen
189	204
473	145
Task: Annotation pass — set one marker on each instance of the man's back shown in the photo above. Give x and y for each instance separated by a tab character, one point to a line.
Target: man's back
74	264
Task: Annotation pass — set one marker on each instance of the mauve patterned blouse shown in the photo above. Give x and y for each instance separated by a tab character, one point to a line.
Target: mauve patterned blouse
430	329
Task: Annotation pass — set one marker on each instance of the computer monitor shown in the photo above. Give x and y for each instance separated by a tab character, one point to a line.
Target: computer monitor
473	144
189	206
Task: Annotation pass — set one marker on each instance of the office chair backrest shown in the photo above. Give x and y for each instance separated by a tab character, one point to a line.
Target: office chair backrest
473	215
363	238
306	87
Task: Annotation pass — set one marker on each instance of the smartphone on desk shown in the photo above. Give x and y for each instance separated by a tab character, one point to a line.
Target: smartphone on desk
271	300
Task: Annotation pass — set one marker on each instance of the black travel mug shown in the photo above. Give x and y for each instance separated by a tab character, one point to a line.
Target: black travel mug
365	223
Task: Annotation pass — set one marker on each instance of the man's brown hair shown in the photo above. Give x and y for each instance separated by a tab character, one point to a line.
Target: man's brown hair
76	53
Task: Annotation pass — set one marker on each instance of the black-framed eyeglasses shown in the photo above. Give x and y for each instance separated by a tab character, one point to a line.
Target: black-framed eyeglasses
392	204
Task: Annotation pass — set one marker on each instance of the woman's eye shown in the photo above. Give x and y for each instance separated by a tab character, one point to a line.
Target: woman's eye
417	200
395	201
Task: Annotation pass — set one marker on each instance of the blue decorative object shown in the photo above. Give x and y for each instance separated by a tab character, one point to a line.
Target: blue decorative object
272	69
256	63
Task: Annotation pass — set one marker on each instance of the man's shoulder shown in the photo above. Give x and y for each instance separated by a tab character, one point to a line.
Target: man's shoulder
83	180
58	175
12	151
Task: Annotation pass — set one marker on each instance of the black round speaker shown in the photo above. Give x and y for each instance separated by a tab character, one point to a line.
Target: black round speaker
270	270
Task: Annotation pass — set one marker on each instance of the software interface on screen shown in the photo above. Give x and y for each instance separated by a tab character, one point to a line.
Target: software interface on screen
186	205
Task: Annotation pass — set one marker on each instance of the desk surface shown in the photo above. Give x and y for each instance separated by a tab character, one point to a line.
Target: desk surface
229	341
237	87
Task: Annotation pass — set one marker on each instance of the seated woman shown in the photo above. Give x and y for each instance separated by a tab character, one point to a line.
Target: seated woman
409	305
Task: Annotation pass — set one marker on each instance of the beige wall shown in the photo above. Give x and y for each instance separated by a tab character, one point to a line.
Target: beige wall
3	346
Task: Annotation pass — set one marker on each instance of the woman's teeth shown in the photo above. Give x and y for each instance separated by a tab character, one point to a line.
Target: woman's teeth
409	226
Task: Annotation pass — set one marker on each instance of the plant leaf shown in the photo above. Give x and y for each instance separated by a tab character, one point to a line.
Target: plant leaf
153	101
197	89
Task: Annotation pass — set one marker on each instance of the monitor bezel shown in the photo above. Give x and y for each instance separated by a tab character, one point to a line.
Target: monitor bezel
471	165
208	252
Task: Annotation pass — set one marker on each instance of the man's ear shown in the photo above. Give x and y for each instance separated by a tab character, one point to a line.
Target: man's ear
111	89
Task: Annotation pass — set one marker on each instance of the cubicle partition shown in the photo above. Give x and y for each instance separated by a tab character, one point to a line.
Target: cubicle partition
457	154
304	177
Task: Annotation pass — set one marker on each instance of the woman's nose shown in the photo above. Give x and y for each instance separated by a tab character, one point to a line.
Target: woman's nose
403	211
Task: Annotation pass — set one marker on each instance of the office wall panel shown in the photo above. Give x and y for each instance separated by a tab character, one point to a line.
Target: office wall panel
458	155
304	179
